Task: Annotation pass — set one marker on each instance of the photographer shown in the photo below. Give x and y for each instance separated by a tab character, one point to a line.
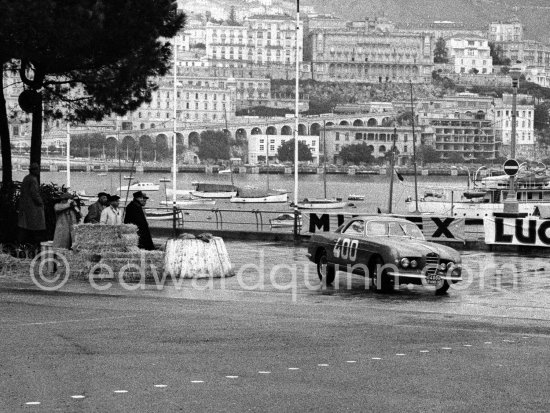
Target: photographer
68	214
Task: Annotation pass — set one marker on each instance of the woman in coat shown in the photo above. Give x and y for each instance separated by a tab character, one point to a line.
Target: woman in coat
68	215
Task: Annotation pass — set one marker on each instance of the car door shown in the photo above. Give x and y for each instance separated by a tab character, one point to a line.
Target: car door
346	248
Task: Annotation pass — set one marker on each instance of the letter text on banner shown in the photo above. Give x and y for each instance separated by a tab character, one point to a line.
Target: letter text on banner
512	231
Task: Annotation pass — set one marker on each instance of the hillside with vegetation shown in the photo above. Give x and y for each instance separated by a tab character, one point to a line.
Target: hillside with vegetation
534	14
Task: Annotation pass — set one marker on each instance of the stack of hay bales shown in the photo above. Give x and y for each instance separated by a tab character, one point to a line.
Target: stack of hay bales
110	251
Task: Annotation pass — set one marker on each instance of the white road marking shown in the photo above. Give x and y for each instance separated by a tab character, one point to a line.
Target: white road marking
197	381
32	403
376	358
446	348
161	385
77	396
293	368
120	391
264	372
351	361
400	354
508	341
232	377
322	365
71	321
467	345
424	351
488	342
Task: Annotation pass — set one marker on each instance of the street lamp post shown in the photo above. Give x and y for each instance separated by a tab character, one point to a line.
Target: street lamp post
511	202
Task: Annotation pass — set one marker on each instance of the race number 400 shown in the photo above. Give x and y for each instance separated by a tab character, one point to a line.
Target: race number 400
346	249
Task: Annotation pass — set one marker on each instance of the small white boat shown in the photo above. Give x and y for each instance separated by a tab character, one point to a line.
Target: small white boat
179	192
165	180
355	197
321	203
214	191
102	174
127	177
255	196
139	186
285	221
225	171
189	202
162	215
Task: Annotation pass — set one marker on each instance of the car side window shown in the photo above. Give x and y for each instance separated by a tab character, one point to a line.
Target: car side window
356	227
377	228
395	229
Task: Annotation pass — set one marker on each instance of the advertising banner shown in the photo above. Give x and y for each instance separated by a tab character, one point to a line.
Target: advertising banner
433	228
517	231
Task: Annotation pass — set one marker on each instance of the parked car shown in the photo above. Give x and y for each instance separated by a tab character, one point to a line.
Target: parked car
389	250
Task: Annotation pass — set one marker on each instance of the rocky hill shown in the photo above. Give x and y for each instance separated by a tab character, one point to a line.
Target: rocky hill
534	14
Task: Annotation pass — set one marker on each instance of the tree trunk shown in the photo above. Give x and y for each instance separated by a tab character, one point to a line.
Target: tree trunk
5	146
36	137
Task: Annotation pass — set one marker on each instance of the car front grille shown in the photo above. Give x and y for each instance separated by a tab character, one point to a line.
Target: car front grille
432	263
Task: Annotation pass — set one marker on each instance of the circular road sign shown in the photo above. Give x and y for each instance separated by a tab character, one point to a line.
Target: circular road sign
511	167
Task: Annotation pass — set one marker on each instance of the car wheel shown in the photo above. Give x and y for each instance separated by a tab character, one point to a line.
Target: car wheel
325	271
441	288
386	284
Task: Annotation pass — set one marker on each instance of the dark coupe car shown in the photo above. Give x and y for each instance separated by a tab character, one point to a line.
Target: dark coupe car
391	251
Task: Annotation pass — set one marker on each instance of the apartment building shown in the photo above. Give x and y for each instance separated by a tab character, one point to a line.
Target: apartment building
358	55
260	146
525	127
262	40
470	55
463	124
528	52
511	31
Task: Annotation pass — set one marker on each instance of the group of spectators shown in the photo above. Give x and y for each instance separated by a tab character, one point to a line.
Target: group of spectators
32	222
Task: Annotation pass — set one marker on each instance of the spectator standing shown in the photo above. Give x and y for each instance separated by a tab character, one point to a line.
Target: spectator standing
94	210
111	215
135	215
68	214
31	219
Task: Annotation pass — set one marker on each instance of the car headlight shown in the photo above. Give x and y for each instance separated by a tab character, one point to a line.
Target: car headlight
414	264
405	262
442	266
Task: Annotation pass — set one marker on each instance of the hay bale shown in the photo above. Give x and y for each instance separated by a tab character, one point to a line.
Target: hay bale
94	236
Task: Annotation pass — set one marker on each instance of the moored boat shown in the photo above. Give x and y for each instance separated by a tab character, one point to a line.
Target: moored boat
251	195
162	215
190	202
321	203
139	186
355	197
216	191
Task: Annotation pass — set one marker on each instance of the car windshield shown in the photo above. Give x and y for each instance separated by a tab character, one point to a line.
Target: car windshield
356	227
394	229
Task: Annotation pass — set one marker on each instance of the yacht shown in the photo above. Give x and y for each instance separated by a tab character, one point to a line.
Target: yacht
216	191
140	186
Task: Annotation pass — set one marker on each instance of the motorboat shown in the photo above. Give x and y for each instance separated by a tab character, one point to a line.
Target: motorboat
215	191
321	203
165	180
179	192
355	197
225	171
140	186
251	196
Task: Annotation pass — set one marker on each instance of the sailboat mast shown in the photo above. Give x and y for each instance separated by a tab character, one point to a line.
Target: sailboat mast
296	103
267	161
414	153
392	161
175	139
325	158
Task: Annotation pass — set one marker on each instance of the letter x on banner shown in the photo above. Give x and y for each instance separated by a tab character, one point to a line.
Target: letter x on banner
433	228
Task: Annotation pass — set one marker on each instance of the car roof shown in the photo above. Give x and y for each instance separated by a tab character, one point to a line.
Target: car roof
384	218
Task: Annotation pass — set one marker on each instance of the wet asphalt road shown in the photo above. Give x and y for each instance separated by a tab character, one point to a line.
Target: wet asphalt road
273	339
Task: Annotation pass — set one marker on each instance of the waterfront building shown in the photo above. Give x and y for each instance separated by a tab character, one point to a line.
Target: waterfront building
359	55
444	29
379	140
511	31
260	146
470	55
462	124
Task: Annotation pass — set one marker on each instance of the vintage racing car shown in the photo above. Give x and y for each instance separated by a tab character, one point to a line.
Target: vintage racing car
391	251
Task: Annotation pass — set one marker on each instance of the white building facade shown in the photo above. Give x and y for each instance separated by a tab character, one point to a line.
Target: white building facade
469	55
260	146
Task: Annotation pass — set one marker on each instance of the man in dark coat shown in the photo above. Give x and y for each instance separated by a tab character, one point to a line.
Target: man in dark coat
135	215
94	210
31	219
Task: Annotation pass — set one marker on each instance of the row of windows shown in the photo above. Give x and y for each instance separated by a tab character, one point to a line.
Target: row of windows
508	113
